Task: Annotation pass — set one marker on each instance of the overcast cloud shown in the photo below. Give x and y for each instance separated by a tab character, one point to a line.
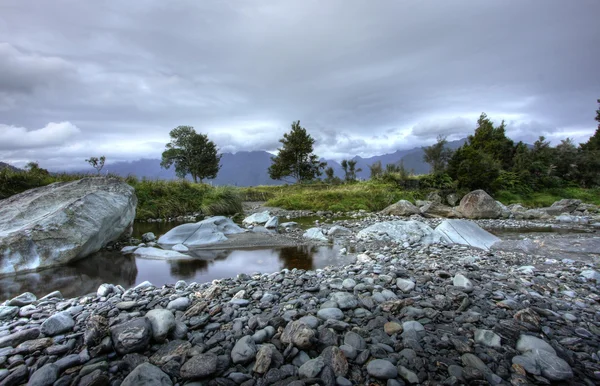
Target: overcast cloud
85	78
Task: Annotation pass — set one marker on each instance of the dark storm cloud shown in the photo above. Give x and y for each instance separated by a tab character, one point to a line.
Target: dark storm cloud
364	78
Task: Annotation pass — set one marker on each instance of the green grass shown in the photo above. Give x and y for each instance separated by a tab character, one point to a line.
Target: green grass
156	198
548	197
367	195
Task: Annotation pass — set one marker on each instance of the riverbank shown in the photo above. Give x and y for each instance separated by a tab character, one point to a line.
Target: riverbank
402	313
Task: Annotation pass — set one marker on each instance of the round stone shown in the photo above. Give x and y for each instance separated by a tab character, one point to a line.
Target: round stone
382	369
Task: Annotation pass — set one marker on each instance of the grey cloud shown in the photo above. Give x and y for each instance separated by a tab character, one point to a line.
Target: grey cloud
129	72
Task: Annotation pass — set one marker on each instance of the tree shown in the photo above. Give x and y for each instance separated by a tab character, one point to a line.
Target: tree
35	169
437	155
295	158
96	163
473	169
350	170
191	153
593	144
330	177
376	170
493	141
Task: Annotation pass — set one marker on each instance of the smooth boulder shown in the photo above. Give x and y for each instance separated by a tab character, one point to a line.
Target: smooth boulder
65	221
479	204
466	233
401	208
402	231
257	218
153	253
212	230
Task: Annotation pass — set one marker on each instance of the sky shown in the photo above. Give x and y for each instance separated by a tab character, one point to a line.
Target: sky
90	78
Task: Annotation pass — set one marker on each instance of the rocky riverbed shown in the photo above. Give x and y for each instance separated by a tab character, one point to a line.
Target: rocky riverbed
403	313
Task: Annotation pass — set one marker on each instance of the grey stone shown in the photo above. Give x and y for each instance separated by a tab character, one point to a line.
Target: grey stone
8	312
407	375
148	375
311	368
466	232
257	218
22	300
299	334
180	248
212	230
44	376
344	300
353	339
528	343
338	230
148	237
179	304
405	285
330	313
478	204
463	282
58	323
133	335
382	369
487	338
401	231
315	234
162	322
199	366
272	223
38	226
244	350
18	337
401	208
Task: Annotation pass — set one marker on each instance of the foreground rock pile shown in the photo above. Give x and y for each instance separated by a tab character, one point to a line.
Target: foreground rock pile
418	315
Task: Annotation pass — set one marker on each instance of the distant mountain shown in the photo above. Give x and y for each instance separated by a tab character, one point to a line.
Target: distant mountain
4	165
249	168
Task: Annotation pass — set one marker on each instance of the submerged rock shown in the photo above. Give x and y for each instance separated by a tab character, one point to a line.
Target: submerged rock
212	230
158	254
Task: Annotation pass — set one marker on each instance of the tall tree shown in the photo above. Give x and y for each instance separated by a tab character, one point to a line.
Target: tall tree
96	163
350	170
594	142
376	170
437	155
191	153
295	158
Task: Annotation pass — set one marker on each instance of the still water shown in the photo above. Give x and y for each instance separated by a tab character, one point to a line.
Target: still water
84	276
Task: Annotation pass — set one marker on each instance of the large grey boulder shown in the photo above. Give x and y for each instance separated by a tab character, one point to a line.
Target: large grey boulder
466	233
315	234
566	205
402	231
64	221
479	204
209	231
401	208
436	210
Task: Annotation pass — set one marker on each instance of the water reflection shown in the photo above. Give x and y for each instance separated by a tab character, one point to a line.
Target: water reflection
79	278
111	267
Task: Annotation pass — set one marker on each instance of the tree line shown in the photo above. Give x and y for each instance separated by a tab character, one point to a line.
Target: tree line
488	160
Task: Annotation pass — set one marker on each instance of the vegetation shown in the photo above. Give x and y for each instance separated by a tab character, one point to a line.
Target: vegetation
437	155
191	153
366	195
96	163
156	198
295	159
350	170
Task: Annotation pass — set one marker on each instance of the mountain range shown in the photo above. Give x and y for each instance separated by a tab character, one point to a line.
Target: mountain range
249	168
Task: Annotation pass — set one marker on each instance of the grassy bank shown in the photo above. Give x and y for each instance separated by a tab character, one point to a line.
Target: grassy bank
547	197
367	195
156	198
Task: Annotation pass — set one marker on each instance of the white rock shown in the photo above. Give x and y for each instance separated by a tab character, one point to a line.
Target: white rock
402	231
466	233
211	230
257	218
62	222
315	234
179	248
158	254
463	282
405	285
